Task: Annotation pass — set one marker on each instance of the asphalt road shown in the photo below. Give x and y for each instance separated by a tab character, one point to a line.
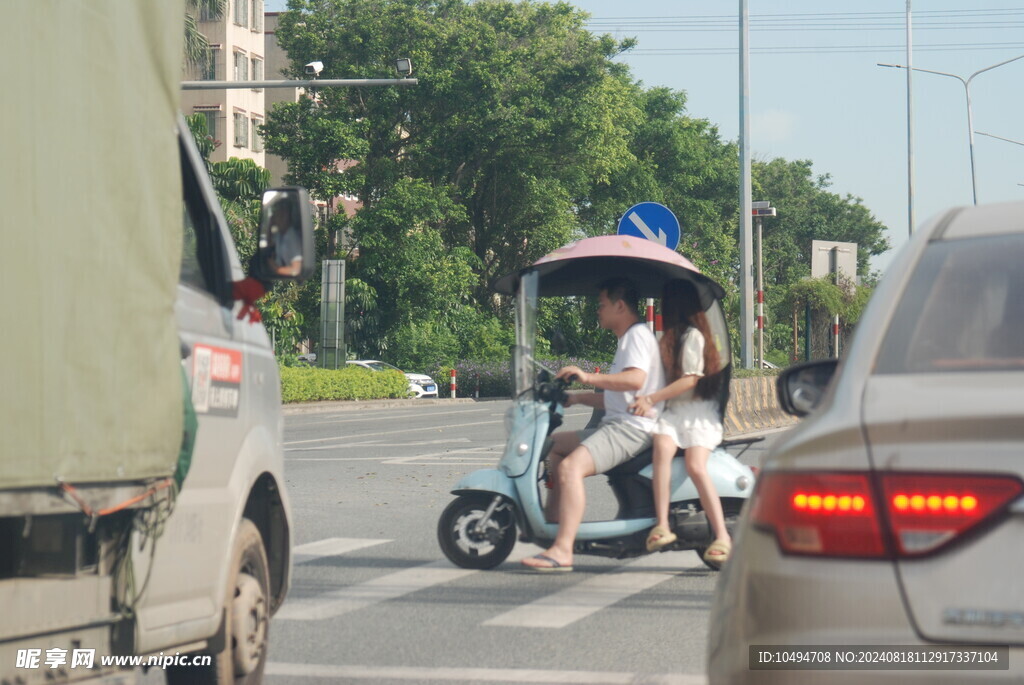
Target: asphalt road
374	599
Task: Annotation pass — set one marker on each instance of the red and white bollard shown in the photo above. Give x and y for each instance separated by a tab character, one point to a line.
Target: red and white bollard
453	383
650	313
659	326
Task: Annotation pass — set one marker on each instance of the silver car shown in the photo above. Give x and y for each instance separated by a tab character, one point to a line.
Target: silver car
887	529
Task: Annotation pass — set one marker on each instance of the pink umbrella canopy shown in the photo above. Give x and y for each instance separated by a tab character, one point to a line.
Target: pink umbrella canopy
580	267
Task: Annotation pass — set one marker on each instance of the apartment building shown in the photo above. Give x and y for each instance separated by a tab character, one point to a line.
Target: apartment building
277	62
237	53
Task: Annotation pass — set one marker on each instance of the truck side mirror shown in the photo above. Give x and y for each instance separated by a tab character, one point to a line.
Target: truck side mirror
285	247
801	387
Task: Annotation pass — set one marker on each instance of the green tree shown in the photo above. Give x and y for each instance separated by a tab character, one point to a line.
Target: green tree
197	48
808	211
477	171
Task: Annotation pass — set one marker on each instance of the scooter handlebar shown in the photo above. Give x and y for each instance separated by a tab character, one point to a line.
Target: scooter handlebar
554	390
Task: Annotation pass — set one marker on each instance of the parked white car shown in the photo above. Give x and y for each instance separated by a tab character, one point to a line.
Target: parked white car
420	385
893	515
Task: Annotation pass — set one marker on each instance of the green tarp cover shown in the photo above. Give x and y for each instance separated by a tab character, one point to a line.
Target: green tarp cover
91	206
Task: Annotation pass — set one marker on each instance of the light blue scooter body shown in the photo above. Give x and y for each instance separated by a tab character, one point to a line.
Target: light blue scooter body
518	472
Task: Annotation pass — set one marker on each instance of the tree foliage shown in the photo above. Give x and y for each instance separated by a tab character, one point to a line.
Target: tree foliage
523	134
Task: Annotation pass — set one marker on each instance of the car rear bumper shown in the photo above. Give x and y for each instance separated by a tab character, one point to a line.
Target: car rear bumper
765	599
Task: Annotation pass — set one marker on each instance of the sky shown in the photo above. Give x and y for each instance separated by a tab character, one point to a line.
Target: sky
817	93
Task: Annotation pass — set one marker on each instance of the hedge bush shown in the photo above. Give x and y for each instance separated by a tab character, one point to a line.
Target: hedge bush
310	384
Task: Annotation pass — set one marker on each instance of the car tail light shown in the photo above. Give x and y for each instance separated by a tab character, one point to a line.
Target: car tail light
829	514
837	514
927	511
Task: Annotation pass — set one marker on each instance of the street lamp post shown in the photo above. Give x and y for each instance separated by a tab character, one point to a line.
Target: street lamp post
970	116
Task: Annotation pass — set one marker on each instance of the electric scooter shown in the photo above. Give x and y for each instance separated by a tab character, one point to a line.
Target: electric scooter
479	528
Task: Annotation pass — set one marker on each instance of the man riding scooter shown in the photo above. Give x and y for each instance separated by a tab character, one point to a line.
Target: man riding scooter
636	370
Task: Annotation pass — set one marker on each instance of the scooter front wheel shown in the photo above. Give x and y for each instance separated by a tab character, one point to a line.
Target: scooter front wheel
469	541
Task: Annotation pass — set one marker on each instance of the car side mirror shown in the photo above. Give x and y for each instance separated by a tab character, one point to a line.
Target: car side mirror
801	387
285	247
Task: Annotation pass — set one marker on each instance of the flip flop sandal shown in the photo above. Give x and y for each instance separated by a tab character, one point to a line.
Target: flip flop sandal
555	567
716	560
659	537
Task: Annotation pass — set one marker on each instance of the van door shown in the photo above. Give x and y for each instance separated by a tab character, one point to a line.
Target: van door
184	595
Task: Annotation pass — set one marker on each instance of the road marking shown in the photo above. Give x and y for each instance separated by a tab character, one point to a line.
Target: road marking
448	454
583	599
377	443
378	415
330	547
344	600
477	675
390	432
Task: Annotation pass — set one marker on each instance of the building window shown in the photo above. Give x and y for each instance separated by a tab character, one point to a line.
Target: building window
257	15
257	137
211	123
207	14
210	73
241	129
242	12
257	70
241	67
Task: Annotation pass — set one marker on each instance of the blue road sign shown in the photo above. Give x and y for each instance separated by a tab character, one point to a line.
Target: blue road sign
652	221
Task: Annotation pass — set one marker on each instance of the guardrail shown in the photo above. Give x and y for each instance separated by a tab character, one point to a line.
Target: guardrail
753	406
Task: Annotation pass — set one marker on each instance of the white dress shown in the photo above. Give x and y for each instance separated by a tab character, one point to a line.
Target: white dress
690	420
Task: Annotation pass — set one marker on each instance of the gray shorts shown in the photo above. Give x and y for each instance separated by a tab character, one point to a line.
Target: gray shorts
613	443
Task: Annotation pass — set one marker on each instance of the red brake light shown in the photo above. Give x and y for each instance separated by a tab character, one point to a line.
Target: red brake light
837	514
926	511
829	514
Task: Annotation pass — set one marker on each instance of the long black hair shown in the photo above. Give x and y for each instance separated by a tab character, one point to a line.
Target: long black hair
680	311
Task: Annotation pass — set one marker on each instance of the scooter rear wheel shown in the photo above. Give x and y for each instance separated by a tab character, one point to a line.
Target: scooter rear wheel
464	544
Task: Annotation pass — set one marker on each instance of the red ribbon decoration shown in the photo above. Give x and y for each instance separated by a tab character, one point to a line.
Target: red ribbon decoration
248	291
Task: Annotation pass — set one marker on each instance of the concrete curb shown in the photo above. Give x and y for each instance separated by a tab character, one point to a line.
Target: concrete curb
356	405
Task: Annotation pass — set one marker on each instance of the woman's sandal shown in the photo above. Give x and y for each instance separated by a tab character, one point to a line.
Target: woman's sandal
716	560
659	537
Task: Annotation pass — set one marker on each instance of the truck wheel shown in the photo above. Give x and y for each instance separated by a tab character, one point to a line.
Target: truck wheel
247	618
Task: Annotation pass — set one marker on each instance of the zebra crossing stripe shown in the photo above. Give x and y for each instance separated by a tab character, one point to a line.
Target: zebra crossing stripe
391	586
330	547
476	675
567	606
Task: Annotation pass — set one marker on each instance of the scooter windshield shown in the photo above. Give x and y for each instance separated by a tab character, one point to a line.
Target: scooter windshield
523	362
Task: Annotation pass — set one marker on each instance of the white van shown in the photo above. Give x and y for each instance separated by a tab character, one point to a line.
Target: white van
126	532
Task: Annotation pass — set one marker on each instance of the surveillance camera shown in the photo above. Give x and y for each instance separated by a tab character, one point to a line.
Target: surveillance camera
403	65
314	68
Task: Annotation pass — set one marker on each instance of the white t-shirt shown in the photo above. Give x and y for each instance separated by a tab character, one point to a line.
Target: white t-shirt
638	348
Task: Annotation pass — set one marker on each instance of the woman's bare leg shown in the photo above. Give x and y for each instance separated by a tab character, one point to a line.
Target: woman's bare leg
697	467
664	451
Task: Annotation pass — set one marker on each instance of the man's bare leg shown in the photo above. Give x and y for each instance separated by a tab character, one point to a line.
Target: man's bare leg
562	444
571	505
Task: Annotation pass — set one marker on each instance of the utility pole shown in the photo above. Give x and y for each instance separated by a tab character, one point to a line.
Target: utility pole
910	124
746	239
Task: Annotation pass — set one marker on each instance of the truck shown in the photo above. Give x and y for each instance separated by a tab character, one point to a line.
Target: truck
144	520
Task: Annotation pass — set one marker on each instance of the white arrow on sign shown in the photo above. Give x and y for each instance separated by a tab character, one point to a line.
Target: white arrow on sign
661	238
